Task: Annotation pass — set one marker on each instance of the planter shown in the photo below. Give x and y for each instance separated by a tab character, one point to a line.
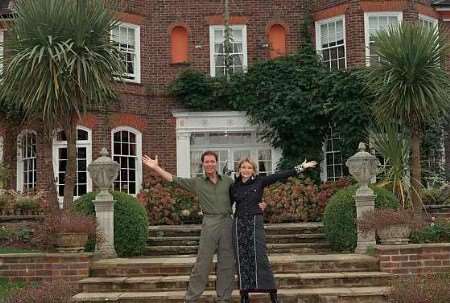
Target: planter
394	234
71	242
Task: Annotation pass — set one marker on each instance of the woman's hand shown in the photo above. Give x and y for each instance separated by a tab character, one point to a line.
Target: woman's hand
151	163
309	164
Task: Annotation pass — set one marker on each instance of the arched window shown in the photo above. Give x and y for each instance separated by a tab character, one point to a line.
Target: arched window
277	41
179	44
26	161
127	151
83	183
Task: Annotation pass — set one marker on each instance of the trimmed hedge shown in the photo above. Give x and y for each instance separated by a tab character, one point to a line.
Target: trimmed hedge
339	218
130	223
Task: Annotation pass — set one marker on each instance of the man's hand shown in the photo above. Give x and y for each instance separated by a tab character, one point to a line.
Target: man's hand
151	163
262	205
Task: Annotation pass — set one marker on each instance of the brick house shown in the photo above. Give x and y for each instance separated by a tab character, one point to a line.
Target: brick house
162	38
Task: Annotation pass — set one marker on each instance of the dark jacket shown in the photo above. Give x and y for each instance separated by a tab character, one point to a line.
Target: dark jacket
248	195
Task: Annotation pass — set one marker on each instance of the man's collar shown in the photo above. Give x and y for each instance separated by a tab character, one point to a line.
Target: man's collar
206	178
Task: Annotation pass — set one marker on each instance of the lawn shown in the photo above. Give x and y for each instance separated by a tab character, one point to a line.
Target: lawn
6	286
15	250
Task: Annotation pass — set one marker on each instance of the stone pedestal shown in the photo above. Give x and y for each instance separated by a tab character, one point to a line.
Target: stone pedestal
104	209
103	172
365	240
363	167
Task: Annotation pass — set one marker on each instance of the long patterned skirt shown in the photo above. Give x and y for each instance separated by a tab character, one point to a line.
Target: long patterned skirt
253	267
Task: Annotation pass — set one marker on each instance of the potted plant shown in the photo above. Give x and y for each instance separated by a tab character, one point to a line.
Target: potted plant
393	226
71	231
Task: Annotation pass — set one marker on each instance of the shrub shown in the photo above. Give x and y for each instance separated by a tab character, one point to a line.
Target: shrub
431	288
62	222
436	196
15	237
380	218
297	200
130	222
339	218
46	292
436	232
167	203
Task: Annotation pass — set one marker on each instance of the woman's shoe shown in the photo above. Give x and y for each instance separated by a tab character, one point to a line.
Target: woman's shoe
273	297
244	297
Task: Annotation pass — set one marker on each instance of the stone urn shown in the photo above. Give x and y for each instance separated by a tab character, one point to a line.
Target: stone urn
71	242
394	234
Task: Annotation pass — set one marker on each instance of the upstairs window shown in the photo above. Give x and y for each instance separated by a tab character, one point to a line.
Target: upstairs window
330	42
127	36
238	52
374	22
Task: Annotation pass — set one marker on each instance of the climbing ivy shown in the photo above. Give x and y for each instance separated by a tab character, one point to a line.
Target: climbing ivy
294	100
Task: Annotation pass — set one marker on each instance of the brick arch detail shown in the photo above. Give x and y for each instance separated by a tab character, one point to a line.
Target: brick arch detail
276	33
179	43
88	120
123	119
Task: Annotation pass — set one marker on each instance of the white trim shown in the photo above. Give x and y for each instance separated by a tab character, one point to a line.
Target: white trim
1	148
19	160
212	28
432	20
442	9
1	50
399	16
137	63
138	153
63	144
188	123
319	34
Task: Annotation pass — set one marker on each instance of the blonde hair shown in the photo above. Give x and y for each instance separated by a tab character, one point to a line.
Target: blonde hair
249	161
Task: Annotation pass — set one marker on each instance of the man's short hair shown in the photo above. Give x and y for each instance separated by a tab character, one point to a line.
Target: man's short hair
209	153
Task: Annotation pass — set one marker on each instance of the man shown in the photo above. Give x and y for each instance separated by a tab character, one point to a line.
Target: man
213	192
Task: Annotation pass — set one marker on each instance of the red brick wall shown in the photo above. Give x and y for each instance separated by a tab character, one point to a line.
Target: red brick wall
43	267
414	258
147	106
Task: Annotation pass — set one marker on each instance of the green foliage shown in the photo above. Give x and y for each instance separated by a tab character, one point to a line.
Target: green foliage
130	222
294	100
436	196
7	287
167	203
339	218
298	200
437	232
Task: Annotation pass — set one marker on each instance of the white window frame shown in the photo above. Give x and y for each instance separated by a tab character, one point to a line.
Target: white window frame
212	62
63	144
319	48
20	164
189	123
1	51
397	14
428	19
137	63
1	148
138	153
324	164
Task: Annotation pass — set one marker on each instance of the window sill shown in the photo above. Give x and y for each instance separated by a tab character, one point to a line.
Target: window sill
180	64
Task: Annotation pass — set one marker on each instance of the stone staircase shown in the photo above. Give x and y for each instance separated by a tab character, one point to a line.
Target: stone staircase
311	277
281	238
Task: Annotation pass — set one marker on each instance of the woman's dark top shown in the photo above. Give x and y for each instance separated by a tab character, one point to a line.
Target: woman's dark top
248	195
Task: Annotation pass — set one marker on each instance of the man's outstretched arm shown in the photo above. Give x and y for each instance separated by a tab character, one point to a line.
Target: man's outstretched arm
153	165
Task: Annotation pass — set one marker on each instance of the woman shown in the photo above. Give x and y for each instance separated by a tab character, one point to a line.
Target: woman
253	267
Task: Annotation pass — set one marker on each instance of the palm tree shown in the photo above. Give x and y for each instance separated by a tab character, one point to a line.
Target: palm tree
60	63
409	85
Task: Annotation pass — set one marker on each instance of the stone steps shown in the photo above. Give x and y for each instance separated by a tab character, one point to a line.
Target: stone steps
188	230
275	239
310	295
300	248
281	263
284	281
